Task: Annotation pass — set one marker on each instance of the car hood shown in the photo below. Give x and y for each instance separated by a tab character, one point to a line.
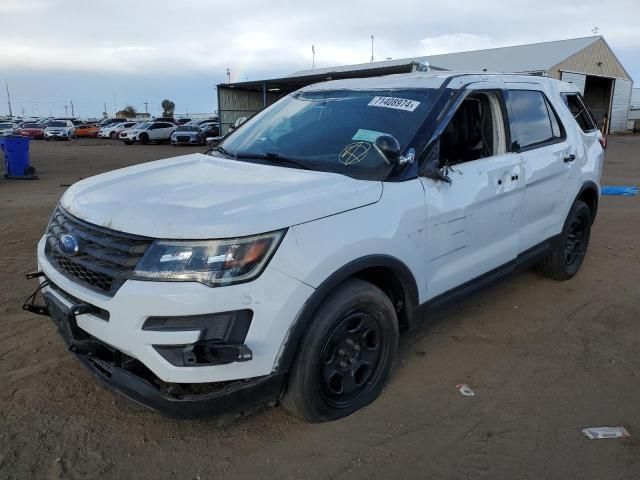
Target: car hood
199	196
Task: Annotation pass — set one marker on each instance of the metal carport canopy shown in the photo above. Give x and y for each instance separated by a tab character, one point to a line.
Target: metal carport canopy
243	99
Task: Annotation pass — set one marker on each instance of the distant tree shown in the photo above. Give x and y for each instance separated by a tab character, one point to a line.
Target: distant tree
168	108
127	112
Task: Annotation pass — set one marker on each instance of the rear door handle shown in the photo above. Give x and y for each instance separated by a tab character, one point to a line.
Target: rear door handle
570	158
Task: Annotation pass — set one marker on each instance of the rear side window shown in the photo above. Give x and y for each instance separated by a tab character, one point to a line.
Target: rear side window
580	112
533	121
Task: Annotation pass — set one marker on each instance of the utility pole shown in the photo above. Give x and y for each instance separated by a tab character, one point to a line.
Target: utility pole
228	76
372	59
104	113
72	112
146	107
66	112
8	99
313	55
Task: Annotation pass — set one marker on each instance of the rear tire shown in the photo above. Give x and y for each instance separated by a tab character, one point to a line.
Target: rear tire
567	257
345	356
144	138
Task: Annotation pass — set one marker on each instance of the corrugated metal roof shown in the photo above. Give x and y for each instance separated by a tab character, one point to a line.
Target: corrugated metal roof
360	66
533	57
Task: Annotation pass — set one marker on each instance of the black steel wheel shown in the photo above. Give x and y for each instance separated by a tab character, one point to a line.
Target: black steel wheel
575	244
346	355
567	257
350	358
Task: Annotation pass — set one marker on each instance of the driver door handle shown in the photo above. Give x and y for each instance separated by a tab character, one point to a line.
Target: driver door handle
570	158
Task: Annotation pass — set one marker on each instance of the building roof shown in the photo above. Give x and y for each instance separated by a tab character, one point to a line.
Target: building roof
305	77
400	62
533	57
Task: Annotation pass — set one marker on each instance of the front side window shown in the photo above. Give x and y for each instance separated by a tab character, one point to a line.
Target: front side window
580	112
475	131
332	130
532	119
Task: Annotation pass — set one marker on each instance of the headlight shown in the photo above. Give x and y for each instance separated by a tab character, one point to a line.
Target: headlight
211	262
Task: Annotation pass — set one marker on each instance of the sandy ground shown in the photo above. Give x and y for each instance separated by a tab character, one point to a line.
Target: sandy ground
546	359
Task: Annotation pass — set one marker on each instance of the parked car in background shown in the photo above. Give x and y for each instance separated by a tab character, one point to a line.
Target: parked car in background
60	129
164	119
109	131
210	129
124	133
124	127
87	131
151	132
208	120
239	121
33	130
188	135
8	128
182	121
109	121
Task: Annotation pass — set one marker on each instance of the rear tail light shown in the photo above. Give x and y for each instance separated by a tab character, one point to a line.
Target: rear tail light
603	142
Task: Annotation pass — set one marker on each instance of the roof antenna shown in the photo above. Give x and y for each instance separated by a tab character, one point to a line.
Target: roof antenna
595	31
372	59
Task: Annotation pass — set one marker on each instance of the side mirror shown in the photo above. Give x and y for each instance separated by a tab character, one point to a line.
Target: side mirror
389	147
432	167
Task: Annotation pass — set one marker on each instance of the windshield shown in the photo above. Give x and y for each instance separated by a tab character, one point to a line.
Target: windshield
333	131
6	125
57	124
188	128
32	125
142	126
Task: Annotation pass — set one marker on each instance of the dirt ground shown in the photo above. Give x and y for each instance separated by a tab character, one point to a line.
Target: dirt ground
545	359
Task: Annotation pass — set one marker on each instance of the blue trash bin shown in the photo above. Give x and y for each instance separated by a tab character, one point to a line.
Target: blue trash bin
16	157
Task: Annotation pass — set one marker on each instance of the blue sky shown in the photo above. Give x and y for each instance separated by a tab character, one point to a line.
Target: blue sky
123	52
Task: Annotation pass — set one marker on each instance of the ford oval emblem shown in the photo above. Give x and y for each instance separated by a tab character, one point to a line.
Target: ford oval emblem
69	245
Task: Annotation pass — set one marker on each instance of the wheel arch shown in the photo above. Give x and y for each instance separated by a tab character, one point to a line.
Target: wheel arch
387	273
590	194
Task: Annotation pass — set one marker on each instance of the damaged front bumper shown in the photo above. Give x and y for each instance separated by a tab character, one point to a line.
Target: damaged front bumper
131	378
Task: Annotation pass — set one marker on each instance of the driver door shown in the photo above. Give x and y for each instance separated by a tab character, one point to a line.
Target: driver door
473	222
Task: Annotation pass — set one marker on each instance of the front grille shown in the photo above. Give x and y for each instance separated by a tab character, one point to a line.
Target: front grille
106	258
183	138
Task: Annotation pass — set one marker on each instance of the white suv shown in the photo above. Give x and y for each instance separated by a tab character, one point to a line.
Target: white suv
151	132
60	128
283	264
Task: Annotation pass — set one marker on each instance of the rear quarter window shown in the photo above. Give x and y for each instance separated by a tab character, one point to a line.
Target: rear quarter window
533	121
580	111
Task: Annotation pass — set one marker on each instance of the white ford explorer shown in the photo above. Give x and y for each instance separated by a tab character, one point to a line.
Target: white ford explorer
283	265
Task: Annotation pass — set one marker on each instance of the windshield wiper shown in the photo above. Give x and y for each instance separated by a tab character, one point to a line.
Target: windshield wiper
223	151
275	158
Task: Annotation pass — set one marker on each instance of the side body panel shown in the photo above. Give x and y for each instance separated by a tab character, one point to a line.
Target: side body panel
472	223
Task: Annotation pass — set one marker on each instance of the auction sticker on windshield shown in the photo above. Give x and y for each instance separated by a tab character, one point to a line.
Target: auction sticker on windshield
394	102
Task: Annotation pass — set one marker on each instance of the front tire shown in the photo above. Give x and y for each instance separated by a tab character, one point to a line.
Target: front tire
567	257
346	355
144	138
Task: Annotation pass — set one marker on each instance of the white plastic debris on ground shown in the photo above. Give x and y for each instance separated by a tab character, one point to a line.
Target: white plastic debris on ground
465	390
596	433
